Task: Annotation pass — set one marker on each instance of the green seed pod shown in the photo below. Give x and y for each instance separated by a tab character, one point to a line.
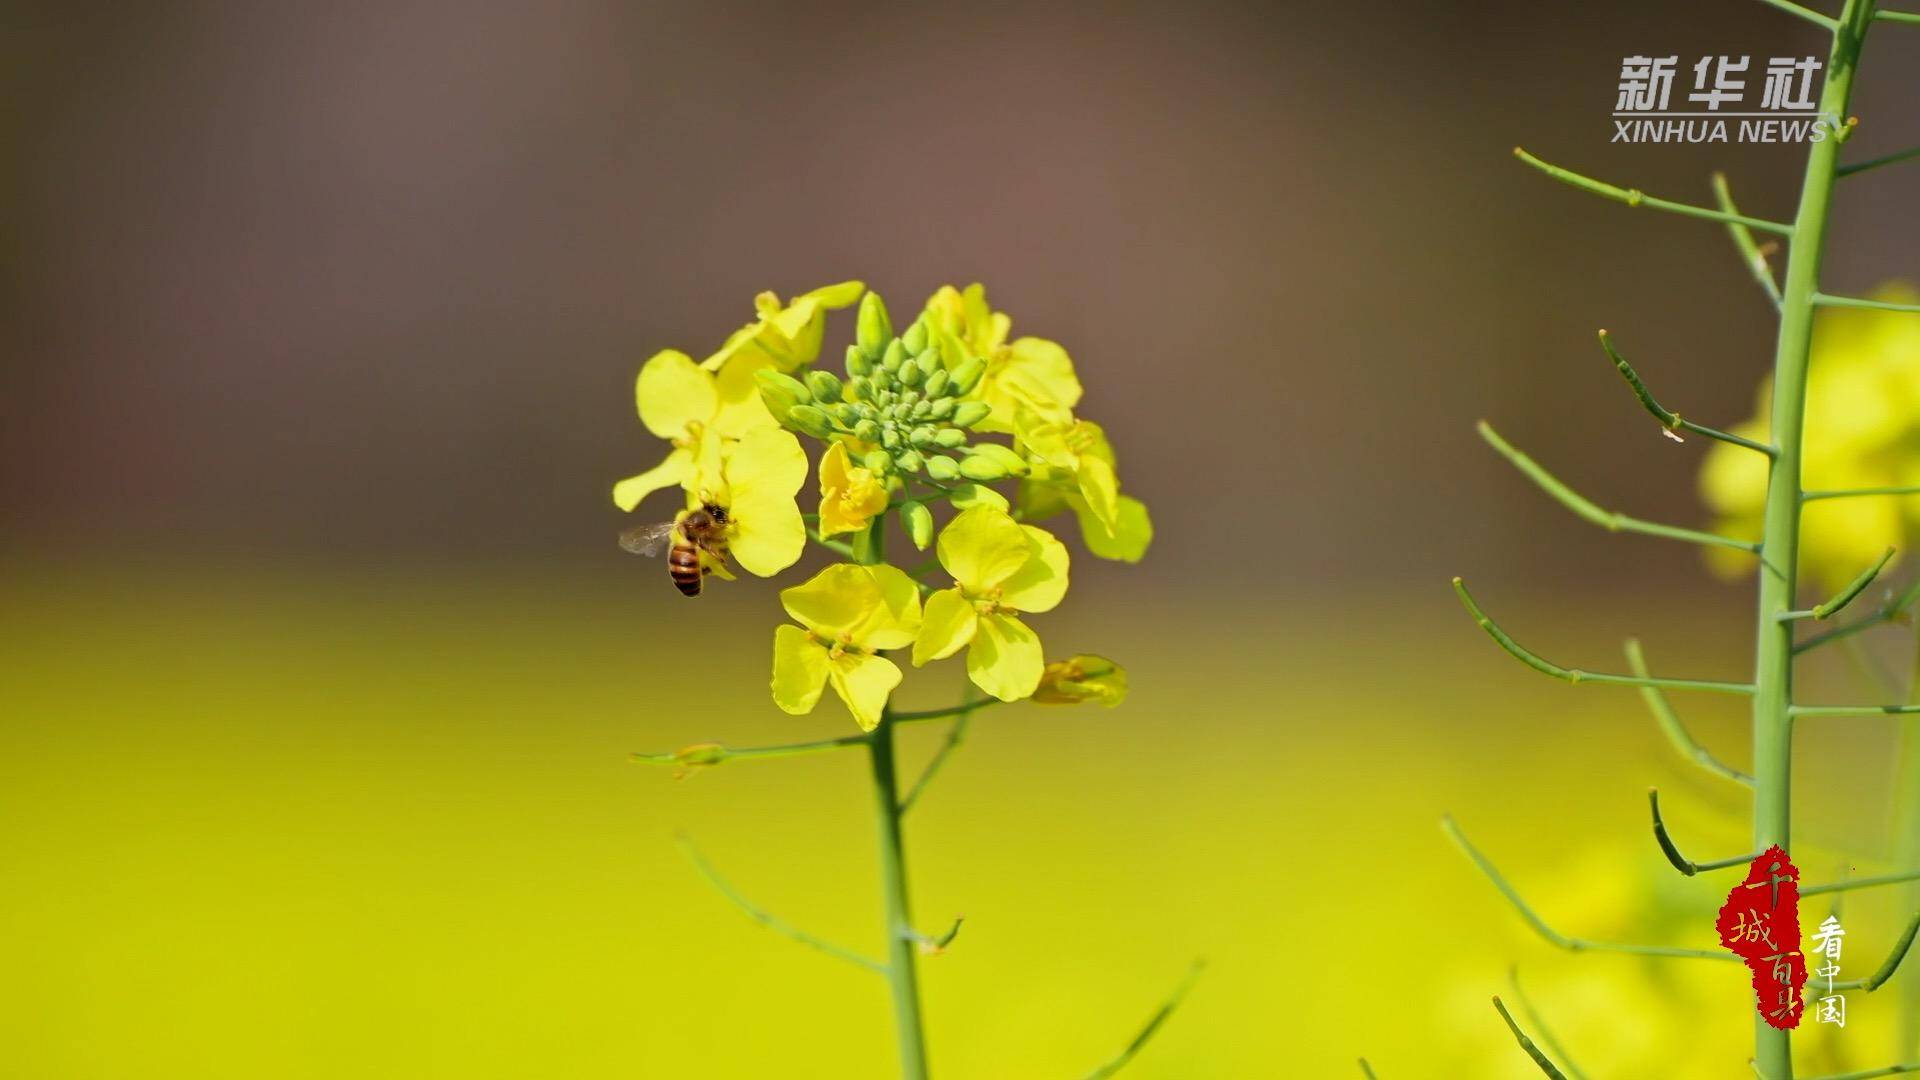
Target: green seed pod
982	468
942	409
874	328
894	357
810	419
825	386
967	375
949	437
877	462
908	461
911	375
917	521
941	467
921	436
867	431
969	413
890	438
858	362
938	382
847	413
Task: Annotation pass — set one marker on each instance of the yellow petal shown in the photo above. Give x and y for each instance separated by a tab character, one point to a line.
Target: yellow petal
864	682
1041	583
768	534
1005	659
676	469
673	393
946	628
982	547
1101	490
895	618
850	496
799	670
740	408
769	460
1128	540
837	600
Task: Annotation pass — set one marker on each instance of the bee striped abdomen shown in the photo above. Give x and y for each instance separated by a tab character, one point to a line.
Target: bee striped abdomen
683	565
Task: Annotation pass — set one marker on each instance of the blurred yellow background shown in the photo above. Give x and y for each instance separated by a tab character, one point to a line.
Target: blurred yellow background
321	664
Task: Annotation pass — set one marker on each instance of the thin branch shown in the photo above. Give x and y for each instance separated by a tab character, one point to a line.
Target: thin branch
1669	722
1571	944
768	919
1799	712
1635	197
1887	967
1825	300
840	548
1805	13
702	754
1582	507
1539	1058
955	736
1869	1074
1749	248
1575	675
1845	596
1894	608
1680	862
939	714
1850	884
1874	163
1152	1025
1855	493
1897	17
1366	1070
1540	1025
1670	420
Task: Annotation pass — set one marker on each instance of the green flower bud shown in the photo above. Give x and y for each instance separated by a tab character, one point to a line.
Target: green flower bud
1013	463
900	411
788	390
858	362
895	356
890	438
916	336
928	361
848	414
877	462
867	431
810	419
969	413
921	409
917	521
911	375
825	386
942	409
867	412
908	461
909	397
874	328
982	468
860	387
951	438
941	467
921	436
967	375
938	382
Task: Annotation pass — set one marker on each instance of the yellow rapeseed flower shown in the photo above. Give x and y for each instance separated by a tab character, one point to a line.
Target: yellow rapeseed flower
850	495
1000	569
1028	373
1080	679
785	337
847	614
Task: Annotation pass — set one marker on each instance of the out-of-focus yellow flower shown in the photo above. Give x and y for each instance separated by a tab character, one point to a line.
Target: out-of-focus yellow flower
680	402
850	496
759	476
849	612
1862	431
1029	373
785	337
1083	678
1001	568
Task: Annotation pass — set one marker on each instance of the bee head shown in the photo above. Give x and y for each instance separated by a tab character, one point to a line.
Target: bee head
716	512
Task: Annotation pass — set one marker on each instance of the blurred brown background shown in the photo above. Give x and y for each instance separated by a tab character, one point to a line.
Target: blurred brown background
371	281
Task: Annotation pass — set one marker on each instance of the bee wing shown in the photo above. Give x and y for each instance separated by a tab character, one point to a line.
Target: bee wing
652	540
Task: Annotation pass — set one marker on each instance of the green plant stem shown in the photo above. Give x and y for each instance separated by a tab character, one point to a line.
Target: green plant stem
1845	596
1540	1025
1669	722
714	753
1780	546
1635	197
1906	844
901	973
1680	862
941	714
1539	1057
1887	159
1855	493
1804	13
1152	1025
1670	420
1825	300
1749	248
1897	17
768	919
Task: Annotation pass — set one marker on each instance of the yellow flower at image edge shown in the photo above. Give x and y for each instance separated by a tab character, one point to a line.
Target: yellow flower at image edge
1001	569
847	614
1083	678
850	496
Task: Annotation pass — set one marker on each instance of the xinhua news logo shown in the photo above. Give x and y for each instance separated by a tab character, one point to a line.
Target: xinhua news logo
1720	107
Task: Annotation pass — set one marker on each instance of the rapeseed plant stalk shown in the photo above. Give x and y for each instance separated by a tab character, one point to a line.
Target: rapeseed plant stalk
1760	477
933	416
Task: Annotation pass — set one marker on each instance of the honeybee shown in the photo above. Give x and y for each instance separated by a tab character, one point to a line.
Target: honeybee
702	531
